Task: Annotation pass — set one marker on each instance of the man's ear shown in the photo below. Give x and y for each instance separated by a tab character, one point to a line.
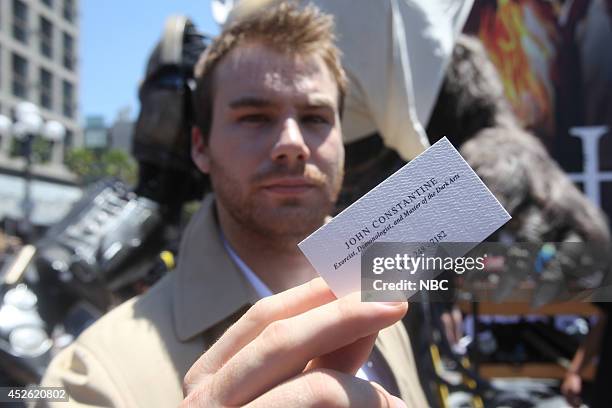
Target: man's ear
199	150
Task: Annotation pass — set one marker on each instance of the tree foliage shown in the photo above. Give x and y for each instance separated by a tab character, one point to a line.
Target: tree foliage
40	149
91	165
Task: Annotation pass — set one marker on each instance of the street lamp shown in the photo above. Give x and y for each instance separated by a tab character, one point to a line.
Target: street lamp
5	133
28	125
55	132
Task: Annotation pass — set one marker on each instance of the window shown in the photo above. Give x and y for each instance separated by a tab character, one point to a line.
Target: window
20	21
69	10
20	76
46	89
68	52
46	38
68	102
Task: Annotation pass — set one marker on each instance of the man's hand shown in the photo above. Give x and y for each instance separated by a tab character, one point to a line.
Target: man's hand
571	389
301	347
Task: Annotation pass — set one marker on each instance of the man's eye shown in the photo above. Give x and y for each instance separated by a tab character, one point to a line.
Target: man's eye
315	119
254	118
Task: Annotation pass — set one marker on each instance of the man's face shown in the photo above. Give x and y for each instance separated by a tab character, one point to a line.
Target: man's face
274	154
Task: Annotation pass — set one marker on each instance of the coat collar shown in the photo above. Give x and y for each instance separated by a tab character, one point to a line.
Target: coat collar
209	287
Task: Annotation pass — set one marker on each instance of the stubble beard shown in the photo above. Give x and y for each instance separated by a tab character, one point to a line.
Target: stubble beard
284	222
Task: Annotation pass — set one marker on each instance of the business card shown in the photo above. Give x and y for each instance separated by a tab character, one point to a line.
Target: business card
437	196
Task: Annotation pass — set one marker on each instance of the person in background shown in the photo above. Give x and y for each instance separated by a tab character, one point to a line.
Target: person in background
597	344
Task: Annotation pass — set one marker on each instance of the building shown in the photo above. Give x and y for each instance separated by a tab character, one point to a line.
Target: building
122	131
39	61
97	135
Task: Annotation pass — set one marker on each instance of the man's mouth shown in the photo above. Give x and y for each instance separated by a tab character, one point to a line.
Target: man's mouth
289	186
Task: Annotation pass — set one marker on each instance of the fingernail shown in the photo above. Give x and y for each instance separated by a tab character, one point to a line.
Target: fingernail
394	305
399	403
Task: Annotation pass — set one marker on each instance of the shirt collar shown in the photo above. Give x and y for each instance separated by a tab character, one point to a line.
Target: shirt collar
261	289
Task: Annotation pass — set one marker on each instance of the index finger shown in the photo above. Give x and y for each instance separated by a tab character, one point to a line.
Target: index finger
283	305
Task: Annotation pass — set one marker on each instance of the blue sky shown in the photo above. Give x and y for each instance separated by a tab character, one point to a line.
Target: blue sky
116	39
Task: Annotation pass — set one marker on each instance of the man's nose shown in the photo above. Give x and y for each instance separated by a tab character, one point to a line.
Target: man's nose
290	148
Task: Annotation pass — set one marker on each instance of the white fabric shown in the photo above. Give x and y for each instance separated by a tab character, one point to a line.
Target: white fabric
261	289
366	372
395	54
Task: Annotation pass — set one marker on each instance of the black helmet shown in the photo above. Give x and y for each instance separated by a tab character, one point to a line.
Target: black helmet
161	141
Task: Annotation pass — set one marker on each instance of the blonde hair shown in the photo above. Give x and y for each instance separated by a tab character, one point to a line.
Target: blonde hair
282	25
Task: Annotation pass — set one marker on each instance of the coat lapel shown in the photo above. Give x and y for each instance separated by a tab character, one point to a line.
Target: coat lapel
208	288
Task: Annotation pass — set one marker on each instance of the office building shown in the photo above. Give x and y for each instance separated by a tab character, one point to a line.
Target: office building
39	61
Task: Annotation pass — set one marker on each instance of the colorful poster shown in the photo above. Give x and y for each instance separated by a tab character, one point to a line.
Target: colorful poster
555	61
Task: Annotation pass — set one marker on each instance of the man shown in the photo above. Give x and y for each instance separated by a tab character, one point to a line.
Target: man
268	102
